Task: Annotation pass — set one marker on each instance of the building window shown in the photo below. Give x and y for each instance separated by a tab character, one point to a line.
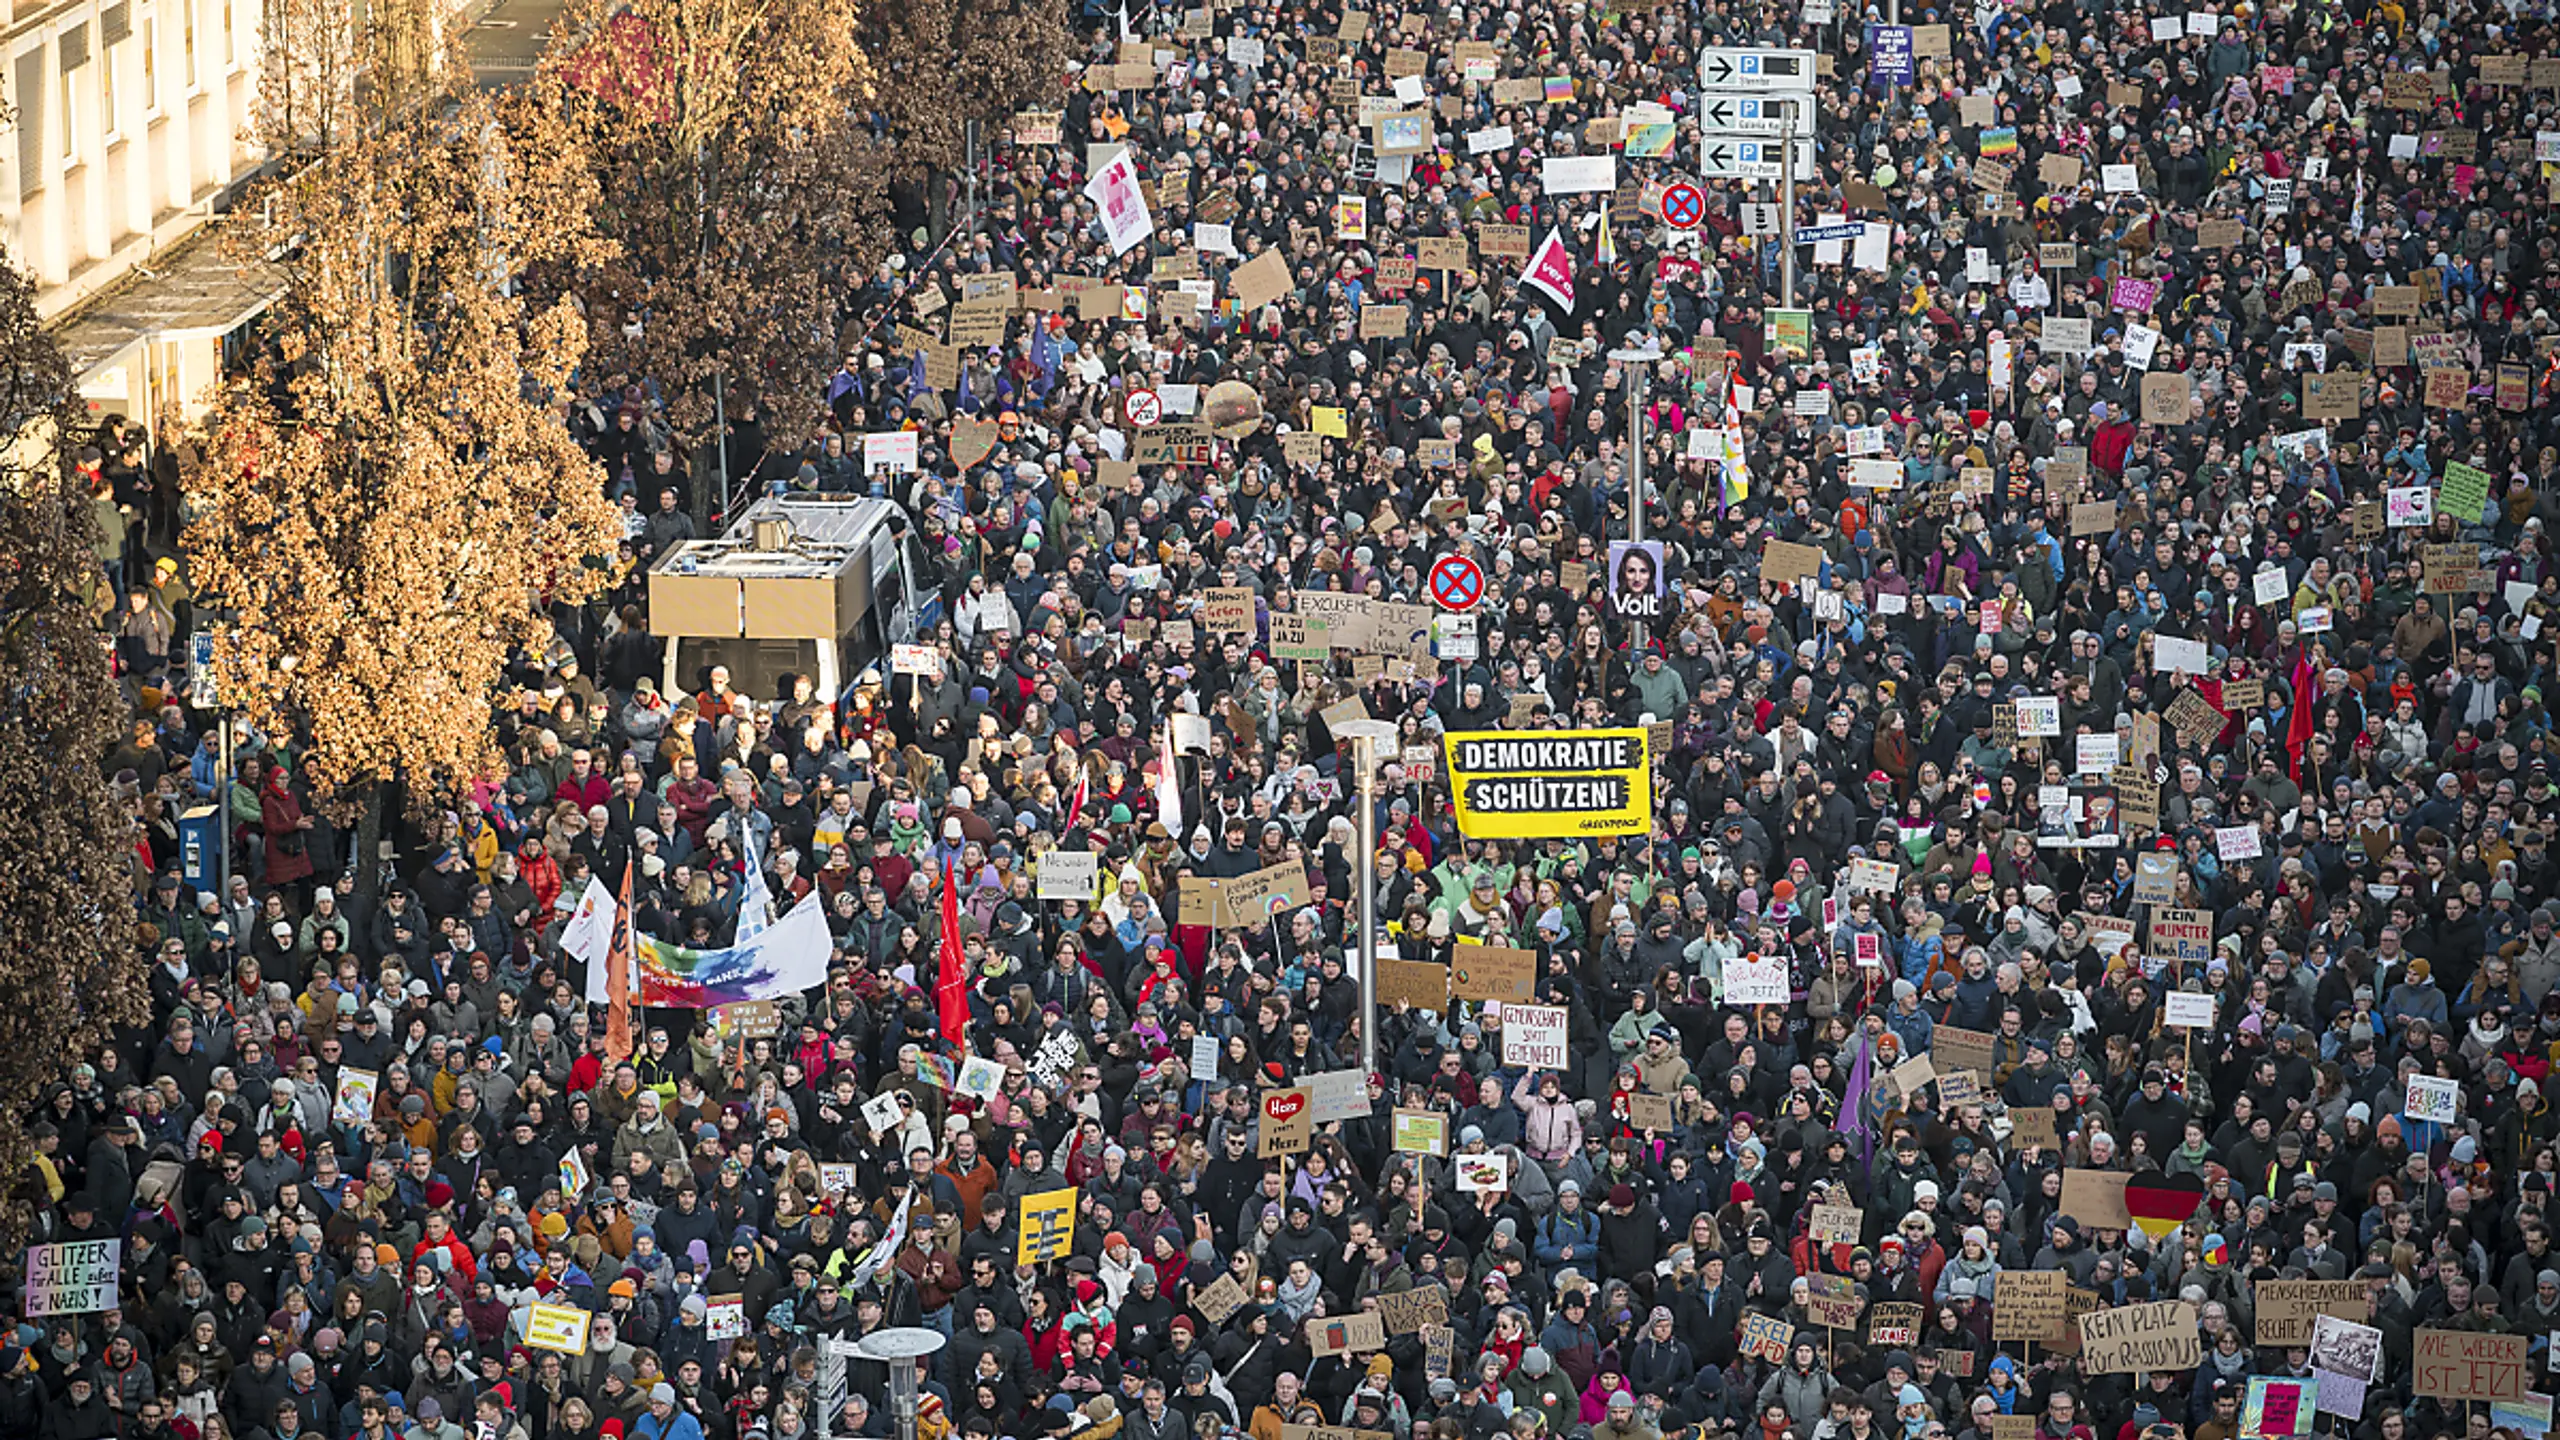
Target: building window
67	101
230	39
150	65
187	37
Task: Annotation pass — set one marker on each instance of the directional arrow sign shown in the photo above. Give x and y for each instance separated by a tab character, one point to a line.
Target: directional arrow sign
1757	70
1747	157
1751	115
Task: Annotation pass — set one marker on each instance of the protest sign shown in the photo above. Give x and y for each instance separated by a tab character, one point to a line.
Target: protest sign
2124	1338
72	1277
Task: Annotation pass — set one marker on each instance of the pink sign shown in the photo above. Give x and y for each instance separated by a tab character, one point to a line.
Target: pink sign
2133	296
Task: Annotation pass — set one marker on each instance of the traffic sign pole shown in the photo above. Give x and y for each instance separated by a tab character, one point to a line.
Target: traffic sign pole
1787	214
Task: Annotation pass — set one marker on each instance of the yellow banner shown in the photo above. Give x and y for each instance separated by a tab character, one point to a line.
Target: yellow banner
1048	1227
1541	784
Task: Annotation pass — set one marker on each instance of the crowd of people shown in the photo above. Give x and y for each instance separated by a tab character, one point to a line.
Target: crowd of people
2116	572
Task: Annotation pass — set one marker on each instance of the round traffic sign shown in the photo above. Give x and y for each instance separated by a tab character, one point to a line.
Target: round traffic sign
1143	408
1457	583
1684	206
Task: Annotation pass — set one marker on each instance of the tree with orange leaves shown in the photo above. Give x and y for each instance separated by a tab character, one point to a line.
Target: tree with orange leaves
393	503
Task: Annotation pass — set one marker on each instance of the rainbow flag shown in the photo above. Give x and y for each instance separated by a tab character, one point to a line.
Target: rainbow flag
1559	89
785	958
1996	143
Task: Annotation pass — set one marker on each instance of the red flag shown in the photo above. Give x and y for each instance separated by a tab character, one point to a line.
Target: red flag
1551	269
618	965
2297	730
951	987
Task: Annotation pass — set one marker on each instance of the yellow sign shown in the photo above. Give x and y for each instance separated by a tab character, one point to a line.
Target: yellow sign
1329	420
1535	785
1048	1227
557	1327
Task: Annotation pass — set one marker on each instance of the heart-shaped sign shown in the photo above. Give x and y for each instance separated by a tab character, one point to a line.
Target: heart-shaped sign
1284	1104
2161	1203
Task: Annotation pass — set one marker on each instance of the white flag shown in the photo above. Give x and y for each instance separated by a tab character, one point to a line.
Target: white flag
755	904
1114	191
589	934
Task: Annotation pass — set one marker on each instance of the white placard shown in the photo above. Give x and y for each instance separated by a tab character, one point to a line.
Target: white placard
2119	179
893	451
1340	1094
2238	842
2095	754
1490	1171
2175	652
1215	239
2432	1097
2188	1010
1751	980
2270	586
883	1114
2204	22
1480	142
2141	342
922	660
1876	877
1579	174
1068	874
2039	715
73	1277
1534	1035
2168	27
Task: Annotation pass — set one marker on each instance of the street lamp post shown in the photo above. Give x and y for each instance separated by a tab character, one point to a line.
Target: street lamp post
1365	737
1639	365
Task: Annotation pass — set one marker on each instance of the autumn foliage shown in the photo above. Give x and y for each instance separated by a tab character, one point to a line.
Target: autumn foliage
738	190
71	968
394	501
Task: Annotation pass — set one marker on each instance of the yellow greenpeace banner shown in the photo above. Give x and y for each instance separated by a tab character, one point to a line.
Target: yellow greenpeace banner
1538	784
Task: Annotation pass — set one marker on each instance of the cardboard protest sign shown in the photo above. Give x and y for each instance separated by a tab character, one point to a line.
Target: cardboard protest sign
1220	1300
2288	1310
1405	1312
1351	1334
1837	1224
2031	1306
1423	984
1421	1132
1766	1337
2124	1338
2095	1198
1492	972
1288	1122
2466	1365
1958	1049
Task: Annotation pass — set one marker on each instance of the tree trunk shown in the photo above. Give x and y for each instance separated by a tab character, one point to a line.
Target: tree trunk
368	847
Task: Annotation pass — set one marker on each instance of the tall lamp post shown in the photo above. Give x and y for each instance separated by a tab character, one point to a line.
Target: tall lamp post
1365	737
1639	363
